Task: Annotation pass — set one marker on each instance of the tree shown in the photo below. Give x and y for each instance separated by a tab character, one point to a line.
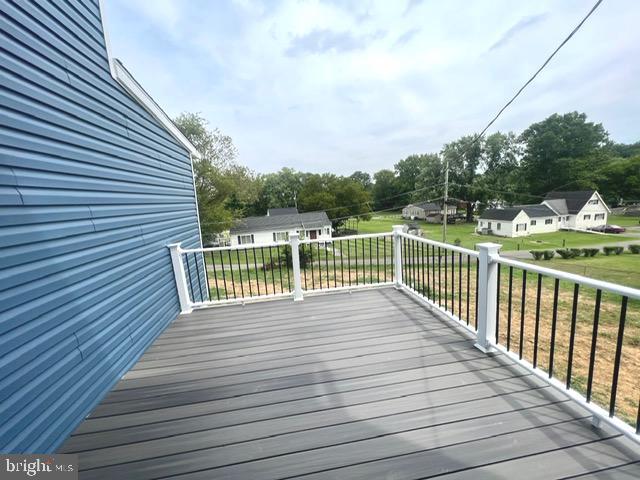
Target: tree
225	190
278	190
363	178
385	190
464	157
552	146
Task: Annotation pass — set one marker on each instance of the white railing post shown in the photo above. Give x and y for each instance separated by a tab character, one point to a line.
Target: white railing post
397	255
294	240
181	278
487	301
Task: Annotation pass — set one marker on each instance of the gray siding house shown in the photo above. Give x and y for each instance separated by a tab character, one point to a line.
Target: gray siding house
95	181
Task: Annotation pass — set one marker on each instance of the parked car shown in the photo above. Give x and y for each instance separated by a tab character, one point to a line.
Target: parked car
608	229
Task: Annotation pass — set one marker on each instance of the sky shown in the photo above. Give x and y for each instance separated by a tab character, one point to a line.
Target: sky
338	86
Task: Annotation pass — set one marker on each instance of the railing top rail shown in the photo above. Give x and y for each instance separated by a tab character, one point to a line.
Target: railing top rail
347	237
572	277
245	246
465	251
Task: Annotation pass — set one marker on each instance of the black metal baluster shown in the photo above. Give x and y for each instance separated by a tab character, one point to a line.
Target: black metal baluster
384	257
341	263
255	265
192	291
476	304
460	285
240	273
286	264
498	305
349	261
370	263
319	266
246	261
572	333
195	260
618	358
429	294
304	265
224	275
439	277
446	278
536	334
509	304
326	264
335	270
594	341
522	308
424	285
453	282
554	322
313	275
364	265
378	260
280	268
264	271
638	419
355	243
469	286
215	275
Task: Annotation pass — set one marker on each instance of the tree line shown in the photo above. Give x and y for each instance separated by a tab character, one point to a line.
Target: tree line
562	152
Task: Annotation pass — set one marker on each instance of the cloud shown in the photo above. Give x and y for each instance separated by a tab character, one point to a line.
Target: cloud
520	25
407	36
322	41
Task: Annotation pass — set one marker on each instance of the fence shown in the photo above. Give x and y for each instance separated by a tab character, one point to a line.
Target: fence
582	335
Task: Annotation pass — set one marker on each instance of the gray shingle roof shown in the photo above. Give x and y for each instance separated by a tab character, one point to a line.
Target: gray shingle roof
428	206
558	205
508	214
284	222
282	211
575	200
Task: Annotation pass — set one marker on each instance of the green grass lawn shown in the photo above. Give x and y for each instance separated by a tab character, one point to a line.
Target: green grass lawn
622	269
623	221
468	238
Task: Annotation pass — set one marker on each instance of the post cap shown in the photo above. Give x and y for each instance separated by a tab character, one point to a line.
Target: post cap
489	246
397	228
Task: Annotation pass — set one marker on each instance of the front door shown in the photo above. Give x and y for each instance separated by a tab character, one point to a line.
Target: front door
313	234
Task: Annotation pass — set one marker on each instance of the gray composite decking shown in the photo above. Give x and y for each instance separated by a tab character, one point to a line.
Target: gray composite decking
365	385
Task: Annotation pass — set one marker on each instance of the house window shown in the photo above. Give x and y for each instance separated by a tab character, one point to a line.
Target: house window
521	227
599	216
280	236
593	202
533	223
498	225
482	224
566	219
243	239
548	221
587	217
327	230
489	225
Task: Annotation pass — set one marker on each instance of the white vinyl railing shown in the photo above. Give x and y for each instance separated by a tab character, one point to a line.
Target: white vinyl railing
571	330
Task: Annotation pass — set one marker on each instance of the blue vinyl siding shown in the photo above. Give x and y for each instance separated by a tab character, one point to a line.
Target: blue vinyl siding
92	189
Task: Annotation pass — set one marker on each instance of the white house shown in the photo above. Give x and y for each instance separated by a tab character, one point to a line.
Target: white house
580	210
276	225
569	210
426	210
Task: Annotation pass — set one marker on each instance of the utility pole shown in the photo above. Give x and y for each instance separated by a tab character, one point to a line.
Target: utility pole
445	198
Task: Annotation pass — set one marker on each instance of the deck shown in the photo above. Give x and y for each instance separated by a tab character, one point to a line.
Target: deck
364	385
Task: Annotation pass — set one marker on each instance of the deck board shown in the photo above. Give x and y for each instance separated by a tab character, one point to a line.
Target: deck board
361	385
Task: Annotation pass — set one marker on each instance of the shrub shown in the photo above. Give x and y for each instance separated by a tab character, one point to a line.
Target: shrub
548	254
618	250
457	242
576	251
590	252
608	250
566	253
634	248
537	254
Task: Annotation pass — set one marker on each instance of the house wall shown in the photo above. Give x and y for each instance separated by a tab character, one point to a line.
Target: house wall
413	212
541	226
267	236
92	189
592	210
502	228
